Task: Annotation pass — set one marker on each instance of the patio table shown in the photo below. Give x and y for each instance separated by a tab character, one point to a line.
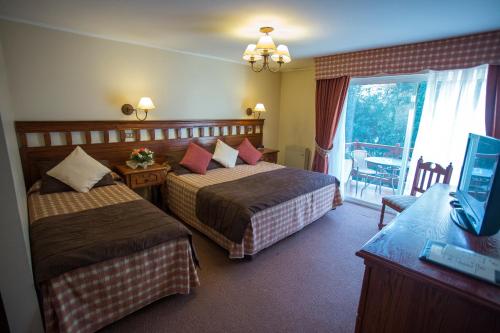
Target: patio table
387	161
390	165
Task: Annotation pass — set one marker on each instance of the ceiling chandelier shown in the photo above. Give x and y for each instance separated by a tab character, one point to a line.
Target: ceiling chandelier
265	49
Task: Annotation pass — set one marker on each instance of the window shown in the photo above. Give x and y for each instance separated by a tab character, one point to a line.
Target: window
389	122
380	124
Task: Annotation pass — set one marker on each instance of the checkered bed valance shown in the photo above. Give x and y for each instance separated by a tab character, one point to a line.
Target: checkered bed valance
458	52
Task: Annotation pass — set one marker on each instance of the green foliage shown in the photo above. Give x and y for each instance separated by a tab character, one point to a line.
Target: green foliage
141	155
378	113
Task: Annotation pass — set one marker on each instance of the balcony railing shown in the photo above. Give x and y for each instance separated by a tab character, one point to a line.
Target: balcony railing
375	149
385	176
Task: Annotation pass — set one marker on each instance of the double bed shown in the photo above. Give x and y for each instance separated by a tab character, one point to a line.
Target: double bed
267	226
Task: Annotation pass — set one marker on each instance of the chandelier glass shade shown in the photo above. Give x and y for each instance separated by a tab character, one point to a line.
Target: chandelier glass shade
264	50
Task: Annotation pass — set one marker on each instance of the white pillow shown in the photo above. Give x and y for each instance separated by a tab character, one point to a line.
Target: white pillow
79	171
225	155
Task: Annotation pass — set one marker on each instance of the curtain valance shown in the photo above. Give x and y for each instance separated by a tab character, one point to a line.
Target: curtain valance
450	53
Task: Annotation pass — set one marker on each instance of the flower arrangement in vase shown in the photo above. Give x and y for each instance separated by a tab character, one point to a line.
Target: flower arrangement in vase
142	157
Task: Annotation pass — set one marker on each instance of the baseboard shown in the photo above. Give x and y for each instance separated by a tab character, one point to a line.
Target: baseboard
371	205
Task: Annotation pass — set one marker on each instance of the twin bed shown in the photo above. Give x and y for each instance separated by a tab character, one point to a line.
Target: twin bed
101	255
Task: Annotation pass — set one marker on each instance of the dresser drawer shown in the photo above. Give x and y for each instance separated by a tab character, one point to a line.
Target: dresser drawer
270	157
147	179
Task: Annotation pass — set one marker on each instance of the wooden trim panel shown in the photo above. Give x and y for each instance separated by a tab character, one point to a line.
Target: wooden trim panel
128	137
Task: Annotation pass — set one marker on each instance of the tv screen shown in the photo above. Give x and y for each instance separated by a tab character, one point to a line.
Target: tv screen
477	179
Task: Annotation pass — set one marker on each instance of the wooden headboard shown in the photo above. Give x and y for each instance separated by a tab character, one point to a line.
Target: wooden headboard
114	140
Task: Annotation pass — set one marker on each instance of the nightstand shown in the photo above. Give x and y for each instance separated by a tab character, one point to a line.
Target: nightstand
269	155
150	178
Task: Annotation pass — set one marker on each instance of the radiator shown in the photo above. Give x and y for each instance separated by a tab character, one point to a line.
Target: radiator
297	157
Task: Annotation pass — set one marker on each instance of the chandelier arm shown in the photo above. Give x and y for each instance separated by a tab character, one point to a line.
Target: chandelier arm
266	62
277	69
255	69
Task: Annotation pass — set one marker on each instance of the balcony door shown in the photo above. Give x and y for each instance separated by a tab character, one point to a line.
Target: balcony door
376	135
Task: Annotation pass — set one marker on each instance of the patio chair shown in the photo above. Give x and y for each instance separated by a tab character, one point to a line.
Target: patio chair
389	175
426	174
360	168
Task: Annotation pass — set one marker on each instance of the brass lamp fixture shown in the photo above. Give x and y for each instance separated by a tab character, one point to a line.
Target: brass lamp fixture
258	109
145	104
265	49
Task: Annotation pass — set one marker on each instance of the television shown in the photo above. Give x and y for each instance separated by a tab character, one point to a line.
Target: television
477	205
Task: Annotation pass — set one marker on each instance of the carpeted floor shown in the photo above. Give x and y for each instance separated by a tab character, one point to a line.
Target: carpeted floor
309	282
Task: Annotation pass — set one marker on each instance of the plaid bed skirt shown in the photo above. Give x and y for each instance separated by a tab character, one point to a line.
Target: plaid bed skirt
89	298
266	228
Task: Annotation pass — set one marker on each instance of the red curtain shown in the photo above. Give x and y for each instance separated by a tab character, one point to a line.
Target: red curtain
330	97
493	101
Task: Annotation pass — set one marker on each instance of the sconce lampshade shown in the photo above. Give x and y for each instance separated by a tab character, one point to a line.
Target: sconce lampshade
145	103
259	107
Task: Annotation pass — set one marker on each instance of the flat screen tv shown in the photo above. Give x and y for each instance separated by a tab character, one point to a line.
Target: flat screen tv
478	192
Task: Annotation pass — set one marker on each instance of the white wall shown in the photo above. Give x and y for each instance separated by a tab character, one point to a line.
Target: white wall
56	75
16	279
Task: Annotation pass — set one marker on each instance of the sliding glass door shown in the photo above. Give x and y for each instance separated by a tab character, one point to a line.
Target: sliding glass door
376	135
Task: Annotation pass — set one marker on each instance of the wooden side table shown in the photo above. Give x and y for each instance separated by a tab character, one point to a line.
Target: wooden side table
152	177
269	155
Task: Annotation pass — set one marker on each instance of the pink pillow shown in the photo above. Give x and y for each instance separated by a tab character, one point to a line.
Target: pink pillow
248	153
196	159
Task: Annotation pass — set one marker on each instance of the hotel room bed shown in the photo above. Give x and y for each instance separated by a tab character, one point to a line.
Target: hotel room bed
267	226
85	291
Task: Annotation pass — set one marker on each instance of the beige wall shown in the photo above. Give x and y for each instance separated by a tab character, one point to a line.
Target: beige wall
16	280
56	75
297	117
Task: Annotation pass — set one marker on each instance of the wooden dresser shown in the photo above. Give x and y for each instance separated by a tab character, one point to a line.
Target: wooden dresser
401	293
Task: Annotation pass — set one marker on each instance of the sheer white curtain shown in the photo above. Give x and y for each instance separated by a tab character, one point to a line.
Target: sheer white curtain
454	106
337	163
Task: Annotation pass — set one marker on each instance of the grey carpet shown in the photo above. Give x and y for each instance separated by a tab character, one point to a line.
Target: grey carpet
309	282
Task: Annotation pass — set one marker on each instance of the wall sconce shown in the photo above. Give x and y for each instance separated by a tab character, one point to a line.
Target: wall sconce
145	104
258	109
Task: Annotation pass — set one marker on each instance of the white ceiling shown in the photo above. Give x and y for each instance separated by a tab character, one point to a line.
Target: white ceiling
222	28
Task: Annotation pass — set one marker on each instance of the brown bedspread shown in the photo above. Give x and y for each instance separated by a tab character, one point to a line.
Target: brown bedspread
65	242
228	207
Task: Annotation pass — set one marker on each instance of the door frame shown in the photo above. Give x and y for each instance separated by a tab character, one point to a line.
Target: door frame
389	79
